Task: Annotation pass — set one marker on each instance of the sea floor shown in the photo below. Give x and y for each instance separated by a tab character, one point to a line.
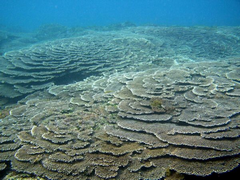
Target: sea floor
122	102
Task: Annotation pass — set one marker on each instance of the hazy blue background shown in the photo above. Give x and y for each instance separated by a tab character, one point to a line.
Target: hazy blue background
30	14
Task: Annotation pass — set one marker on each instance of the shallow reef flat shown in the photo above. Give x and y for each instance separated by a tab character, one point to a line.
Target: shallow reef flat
147	124
75	56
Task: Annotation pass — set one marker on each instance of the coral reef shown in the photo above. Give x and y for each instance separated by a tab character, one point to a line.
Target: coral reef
156	104
73	54
21	176
164	120
133	125
4	113
66	60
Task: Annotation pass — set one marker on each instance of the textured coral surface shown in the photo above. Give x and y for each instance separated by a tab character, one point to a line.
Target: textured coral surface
174	116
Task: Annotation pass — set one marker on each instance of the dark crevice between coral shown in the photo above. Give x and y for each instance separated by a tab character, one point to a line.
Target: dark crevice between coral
4	172
228	175
69	78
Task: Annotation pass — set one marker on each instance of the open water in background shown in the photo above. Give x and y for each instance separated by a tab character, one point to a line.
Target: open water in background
30	14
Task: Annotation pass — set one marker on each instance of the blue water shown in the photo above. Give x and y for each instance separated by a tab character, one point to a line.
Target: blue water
30	14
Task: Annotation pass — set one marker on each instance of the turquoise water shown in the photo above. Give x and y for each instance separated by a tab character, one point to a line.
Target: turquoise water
28	15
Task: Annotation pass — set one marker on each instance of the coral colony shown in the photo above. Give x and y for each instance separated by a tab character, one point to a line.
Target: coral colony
159	115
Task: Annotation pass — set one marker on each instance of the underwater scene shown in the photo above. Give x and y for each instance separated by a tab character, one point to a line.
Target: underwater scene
119	89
